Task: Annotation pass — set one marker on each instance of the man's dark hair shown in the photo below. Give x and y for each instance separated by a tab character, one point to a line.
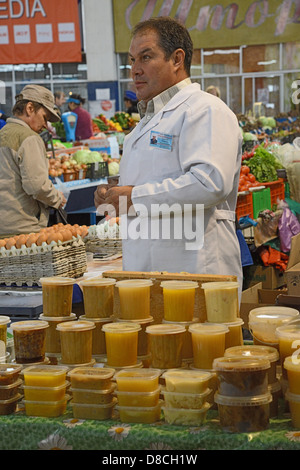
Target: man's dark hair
19	107
172	35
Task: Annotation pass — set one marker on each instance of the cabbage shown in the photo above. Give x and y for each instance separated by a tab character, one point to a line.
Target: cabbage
249	136
113	168
87	156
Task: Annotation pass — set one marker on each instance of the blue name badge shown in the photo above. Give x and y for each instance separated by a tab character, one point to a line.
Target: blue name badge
162	141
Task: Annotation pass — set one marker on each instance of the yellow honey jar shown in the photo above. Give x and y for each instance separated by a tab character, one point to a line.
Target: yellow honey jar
234	337
292	366
179	300
91	378
137	380
57	295
121	341
187	381
98	297
289	340
134	297
4	321
98	335
52	334
222	301
208	341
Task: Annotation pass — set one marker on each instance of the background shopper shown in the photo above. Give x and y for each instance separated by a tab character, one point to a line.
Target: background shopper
84	129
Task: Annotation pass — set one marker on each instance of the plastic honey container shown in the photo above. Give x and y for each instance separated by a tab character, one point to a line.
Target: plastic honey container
234	337
294	406
95	397
91	378
186	381
29	340
179	300
45	375
186	400
34	393
208	341
292	366
46	409
98	297
98	335
240	377
9	406
9	373
121	341
141	399
186	417
187	346
9	391
93	411
140	414
76	341
255	352
143	344
57	296
52	334
289	339
222	301
138	380
166	342
134	298
4	321
244	414
263	322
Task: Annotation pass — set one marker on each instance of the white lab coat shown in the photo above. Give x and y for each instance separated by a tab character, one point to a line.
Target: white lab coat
202	167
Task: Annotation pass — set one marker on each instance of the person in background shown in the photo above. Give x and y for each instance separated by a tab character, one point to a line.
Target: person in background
213	90
60	99
84	129
27	194
130	101
195	162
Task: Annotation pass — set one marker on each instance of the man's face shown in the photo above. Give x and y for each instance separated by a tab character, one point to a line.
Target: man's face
151	72
37	120
60	101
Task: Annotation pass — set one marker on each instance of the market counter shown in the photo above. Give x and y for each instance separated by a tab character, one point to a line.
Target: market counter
19	432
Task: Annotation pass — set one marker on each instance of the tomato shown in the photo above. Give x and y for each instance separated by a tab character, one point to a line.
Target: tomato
251	178
245	170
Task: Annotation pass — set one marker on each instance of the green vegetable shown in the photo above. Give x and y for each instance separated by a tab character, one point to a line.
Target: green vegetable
113	168
87	156
263	165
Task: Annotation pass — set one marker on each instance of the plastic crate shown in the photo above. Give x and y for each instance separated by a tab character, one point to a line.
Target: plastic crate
244	206
261	201
277	190
97	170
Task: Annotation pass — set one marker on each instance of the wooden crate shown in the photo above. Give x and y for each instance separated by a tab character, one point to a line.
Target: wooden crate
156	299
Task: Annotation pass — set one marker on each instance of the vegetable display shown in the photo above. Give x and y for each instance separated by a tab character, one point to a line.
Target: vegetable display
263	165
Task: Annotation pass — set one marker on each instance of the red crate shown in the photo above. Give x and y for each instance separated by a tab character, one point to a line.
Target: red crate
277	190
244	206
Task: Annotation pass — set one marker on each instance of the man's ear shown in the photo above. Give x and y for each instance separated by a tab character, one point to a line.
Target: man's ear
29	108
178	57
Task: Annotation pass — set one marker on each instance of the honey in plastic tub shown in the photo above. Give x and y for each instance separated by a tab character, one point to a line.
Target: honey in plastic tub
9	373
240	377
134	298
208	341
45	375
222	301
263	322
138	380
4	321
46	409
187	346
76	341
244	414
186	381
98	336
140	414
257	351
98	297
234	337
9	406
186	400
186	417
292	366
143	344
91	378
57	296
93	411
121	341
275	390
52	334
34	393
179	300
95	397
29	340
142	399
293	400
10	391
166	342
289	339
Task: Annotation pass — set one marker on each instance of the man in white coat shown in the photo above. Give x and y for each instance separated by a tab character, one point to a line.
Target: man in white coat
180	166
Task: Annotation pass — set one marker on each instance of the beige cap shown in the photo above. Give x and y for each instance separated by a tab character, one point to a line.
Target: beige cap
40	95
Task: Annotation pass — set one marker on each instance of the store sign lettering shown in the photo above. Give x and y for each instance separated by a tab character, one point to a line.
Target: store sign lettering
216	16
19	8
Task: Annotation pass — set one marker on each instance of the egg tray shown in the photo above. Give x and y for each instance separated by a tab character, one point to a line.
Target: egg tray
105	246
27	265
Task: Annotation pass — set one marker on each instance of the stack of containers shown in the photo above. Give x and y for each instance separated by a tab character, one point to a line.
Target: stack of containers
98	297
186	394
4	322
292	367
45	389
243	397
138	394
134	295
57	308
262	352
92	392
9	387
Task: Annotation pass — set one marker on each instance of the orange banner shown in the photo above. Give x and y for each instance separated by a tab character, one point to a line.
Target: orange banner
39	31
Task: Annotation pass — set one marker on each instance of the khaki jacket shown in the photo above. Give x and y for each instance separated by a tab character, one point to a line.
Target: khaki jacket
26	190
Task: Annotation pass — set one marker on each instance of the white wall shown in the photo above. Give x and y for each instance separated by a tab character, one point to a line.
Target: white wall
99	40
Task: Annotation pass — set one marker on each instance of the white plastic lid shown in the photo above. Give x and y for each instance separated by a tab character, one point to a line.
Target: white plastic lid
272	314
292	363
29	325
240	364
97	319
45	370
165	329
77	325
121	327
288	331
253	351
191	375
4	320
57	280
98	281
138	374
140	321
134	283
257	400
208	328
70	317
238	322
92	372
220	285
292	397
179	284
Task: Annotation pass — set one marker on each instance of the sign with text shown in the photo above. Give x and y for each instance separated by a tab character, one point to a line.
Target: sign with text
39	31
219	23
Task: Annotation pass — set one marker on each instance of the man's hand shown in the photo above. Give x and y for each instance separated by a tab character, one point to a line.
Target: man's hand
63	200
116	200
99	194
